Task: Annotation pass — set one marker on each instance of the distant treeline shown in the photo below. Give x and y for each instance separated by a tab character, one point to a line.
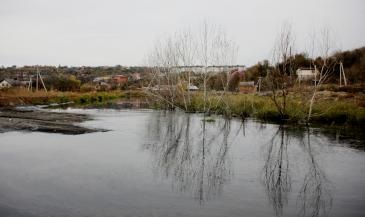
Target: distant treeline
353	62
83	73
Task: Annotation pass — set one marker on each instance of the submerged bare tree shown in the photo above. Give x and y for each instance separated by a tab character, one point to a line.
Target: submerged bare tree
214	48
280	77
321	46
172	61
165	77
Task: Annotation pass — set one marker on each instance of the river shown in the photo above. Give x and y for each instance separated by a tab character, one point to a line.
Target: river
156	163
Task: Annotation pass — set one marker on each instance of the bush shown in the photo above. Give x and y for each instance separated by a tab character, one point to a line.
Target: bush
87	88
63	83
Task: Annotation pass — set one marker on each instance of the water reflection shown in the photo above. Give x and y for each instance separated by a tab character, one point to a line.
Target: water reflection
276	177
231	168
315	194
194	153
195	156
314	198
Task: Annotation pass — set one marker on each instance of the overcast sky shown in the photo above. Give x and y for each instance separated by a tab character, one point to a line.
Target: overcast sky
111	32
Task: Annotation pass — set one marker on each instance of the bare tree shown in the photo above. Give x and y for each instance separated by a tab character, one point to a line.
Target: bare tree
321	46
172	60
163	59
187	51
214	48
280	77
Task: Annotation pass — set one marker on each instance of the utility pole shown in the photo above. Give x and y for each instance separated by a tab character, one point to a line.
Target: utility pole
342	74
30	85
259	84
39	76
37	80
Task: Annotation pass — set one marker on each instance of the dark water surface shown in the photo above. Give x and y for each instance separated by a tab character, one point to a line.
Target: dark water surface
155	163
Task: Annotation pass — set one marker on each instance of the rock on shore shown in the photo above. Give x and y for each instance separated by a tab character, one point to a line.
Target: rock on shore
43	121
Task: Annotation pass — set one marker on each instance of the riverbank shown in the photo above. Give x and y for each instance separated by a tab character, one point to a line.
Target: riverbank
20	97
330	107
335	109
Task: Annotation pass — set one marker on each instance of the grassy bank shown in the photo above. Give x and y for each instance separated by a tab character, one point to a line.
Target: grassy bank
14	97
329	108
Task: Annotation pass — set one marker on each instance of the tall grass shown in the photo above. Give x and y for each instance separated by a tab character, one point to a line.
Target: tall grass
25	97
328	111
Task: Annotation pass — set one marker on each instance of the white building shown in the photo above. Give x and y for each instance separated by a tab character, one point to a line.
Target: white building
8	83
305	74
5	84
209	69
192	88
102	79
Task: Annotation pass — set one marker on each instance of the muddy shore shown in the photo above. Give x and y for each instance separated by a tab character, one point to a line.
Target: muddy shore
12	119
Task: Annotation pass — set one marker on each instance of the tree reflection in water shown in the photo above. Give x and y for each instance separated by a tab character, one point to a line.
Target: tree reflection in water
276	177
195	155
314	197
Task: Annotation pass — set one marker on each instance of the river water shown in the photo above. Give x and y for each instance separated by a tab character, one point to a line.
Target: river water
154	163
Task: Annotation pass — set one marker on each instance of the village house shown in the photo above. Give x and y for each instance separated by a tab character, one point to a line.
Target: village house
5	84
306	74
247	87
108	81
192	88
101	79
8	83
